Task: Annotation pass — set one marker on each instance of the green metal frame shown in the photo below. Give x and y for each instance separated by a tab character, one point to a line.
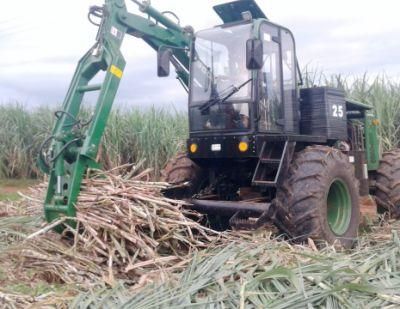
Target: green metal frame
372	146
74	146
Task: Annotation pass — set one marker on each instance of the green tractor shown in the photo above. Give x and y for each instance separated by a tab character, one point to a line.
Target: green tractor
261	149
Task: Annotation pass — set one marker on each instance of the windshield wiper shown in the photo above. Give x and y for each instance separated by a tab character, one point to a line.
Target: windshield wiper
218	100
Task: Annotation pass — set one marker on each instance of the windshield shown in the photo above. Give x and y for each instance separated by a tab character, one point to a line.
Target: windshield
231	116
219	64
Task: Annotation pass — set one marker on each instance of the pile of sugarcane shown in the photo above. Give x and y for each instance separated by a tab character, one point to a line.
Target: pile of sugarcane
125	229
17	220
132	246
258	272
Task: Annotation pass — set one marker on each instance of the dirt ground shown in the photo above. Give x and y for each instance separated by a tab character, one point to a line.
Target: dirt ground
9	188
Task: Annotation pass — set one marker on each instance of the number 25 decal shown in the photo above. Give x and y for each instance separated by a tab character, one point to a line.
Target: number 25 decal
337	111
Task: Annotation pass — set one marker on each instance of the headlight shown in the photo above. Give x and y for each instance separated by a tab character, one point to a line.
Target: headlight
193	148
243	146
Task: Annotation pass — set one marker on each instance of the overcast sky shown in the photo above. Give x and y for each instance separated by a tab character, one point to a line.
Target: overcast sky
41	42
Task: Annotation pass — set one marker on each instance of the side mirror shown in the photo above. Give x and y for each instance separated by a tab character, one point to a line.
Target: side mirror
254	54
163	62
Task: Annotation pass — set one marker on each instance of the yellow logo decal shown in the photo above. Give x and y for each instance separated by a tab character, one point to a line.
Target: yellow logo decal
376	122
116	71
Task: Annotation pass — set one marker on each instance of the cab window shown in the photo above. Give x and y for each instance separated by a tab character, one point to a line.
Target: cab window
289	70
271	105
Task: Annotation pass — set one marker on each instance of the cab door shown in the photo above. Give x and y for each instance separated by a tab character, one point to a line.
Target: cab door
270	94
289	80
278	104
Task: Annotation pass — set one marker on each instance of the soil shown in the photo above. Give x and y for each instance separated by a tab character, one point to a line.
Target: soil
9	188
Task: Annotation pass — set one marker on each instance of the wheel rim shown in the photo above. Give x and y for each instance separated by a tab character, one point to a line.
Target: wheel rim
339	207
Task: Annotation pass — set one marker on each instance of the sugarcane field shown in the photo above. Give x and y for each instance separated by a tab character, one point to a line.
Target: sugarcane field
213	154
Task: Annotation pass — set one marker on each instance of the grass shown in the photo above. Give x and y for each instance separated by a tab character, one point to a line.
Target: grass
131	135
19	287
26	289
9	188
7	196
39	288
21	133
157	134
3	274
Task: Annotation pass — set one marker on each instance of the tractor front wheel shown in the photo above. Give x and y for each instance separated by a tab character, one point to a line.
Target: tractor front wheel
320	199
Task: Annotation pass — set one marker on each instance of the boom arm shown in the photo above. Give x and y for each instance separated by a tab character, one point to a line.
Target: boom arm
73	144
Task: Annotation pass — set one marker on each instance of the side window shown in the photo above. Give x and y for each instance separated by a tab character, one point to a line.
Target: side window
289	80
271	107
288	61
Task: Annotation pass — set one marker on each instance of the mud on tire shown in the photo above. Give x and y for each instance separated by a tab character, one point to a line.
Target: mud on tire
306	199
388	183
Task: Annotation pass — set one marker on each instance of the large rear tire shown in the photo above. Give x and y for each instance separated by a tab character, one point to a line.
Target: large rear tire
180	170
388	183
320	198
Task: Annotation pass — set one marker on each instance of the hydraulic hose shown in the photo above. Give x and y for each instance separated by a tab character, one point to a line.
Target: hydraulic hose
161	17
96	11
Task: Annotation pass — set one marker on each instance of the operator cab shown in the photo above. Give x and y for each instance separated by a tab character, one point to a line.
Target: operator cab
243	83
225	95
220	85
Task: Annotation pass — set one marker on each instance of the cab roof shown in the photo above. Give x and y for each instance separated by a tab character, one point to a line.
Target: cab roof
232	11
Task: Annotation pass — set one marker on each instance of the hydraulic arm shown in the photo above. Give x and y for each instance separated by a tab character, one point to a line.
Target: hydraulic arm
73	145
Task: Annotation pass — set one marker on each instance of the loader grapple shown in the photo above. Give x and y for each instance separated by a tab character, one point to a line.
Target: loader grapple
74	144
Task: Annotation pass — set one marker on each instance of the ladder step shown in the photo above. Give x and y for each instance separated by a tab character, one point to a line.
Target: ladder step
264	183
89	88
268	169
271	161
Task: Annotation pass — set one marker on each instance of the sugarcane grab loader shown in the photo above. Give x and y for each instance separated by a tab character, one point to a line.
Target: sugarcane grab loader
261	148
